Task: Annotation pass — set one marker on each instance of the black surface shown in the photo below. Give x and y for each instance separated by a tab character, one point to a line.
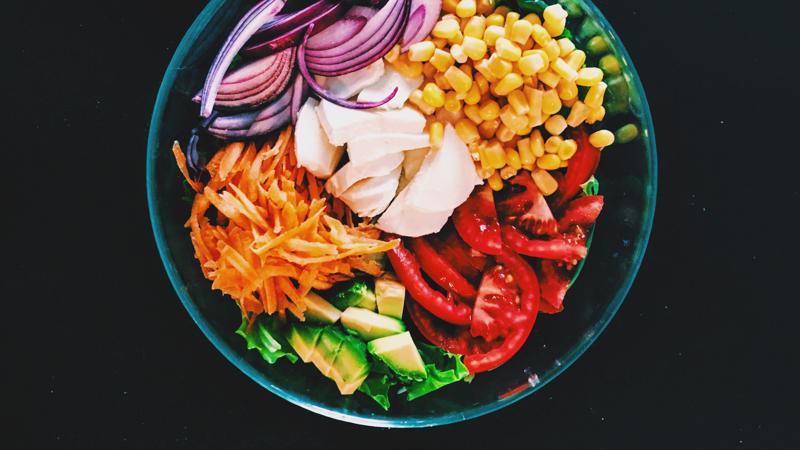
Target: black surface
98	352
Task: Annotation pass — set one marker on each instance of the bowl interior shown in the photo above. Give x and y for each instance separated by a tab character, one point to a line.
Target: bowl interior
628	182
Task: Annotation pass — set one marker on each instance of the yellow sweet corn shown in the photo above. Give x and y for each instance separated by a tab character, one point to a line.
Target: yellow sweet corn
548	162
488	128
602	138
481	81
502	10
393	54
457	38
529	167
552	49
442	82
533	19
504	134
439	42
576	59
494	154
556	124
524	151
511	18
496	20
513	121
577	115
518	102
446	29
474	48
531	64
473	96
485	6
564	70
466	8
554	13
451	102
537	144
449	6
542	54
473	113
589	76
549	78
568	103
594	96
495	182
433	95
534	99
499	67
566	47
508	172
429	70
442	60
567	90
457	52
416	97
540	35
552	144
530	81
513	159
489	110
563	164
475	27
508	83
409	69
596	115
567	149
544	181
507	50
528	45
555	28
436	134
467	131
492	33
460	81
551	102
521	31
421	51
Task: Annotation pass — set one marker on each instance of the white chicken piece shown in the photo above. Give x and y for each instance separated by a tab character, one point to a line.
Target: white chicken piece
348	85
411	163
371	196
342	125
385	85
350	174
446	178
312	148
367	148
405	219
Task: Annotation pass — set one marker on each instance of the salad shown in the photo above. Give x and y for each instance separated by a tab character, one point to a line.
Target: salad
394	191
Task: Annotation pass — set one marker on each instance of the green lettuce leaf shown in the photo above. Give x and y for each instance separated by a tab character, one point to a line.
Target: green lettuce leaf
591	187
265	336
443	368
377	387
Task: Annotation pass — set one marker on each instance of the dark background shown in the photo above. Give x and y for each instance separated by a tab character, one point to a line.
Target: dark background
97	351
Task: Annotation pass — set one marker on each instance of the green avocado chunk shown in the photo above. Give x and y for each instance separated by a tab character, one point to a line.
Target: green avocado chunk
319	310
358	293
391	295
370	325
400	354
339	356
303	340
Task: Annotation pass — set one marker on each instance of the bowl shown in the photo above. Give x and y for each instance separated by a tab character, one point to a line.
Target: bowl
628	182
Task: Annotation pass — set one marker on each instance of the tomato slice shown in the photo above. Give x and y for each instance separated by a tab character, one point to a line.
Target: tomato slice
567	248
527	208
477	224
468	262
554	283
496	306
582	165
440	270
450	338
582	211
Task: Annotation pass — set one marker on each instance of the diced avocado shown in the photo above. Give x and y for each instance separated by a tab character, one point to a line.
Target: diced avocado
357	294
319	310
370	325
351	366
400	354
390	295
327	349
303	340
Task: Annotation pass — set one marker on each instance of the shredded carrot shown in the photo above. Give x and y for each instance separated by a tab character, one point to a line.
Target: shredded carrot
276	237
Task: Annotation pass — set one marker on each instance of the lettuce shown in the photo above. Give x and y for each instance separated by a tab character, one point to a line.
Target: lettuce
591	187
266	337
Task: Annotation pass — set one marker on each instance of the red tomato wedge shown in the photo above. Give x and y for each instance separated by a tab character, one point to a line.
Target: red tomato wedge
527	208
477	224
582	211
440	270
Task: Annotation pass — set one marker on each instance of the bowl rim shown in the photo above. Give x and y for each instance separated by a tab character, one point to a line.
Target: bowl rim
310	404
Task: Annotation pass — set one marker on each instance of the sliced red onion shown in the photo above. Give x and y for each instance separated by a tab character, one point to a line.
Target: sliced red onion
255	86
337	34
299	94
262	94
424	14
250	23
319	90
249	124
370	30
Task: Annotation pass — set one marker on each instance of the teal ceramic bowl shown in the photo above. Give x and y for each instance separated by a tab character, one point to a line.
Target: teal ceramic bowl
628	181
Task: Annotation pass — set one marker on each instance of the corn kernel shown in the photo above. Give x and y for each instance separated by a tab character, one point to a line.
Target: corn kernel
513	159
489	110
518	102
442	60
409	69
567	90
589	76
442	82
551	102
537	144
499	67
473	113
421	51
567	103
534	99
566	47
451	103
540	35
433	95
524	151
502	10
473	96
513	121
552	49
530	81
449	6
436	134
481	81
602	138
457	38
548	162
596	115
492	33
467	131
531	64
494	154
460	81
555	28
495	182
542	54
578	114
393	54
567	149
496	20
446	29
549	78
511	18
544	181
554	13
533	19
563	164
444	115
488	128
474	48
594	96
508	172
466	8
508	83
507	50
564	70
520	31
416	98
429	70
504	134
556	124
485	6
576	59
475	27
528	45
552	144
529	167
439	42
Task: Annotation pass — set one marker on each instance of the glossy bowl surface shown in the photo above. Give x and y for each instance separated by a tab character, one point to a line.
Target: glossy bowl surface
628	181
